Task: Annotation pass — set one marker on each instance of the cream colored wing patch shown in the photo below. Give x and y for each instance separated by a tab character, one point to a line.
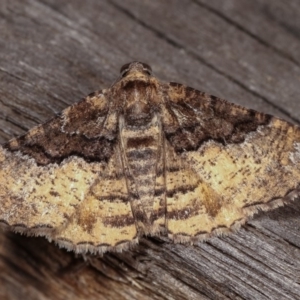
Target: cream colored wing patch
39	199
235	180
104	220
191	203
82	206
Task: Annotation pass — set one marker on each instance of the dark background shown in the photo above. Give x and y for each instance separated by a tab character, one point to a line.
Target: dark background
53	53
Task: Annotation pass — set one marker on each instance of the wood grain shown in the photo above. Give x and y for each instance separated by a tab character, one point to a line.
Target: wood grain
55	52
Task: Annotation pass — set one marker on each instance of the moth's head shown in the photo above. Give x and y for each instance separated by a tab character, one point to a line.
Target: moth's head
137	89
135	70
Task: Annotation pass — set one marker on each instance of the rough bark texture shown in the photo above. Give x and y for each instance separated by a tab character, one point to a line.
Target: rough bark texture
55	52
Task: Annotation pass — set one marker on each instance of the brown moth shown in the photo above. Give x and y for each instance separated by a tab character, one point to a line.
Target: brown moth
146	157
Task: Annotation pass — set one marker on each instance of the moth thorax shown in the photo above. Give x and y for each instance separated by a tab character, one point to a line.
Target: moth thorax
138	107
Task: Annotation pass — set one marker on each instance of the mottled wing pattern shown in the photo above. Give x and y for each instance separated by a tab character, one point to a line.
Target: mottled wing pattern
103	221
80	130
143	157
50	180
224	163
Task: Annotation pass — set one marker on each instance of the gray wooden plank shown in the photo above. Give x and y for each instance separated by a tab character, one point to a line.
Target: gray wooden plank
52	54
274	24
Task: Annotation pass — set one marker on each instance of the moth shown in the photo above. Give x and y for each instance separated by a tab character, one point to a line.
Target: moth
146	158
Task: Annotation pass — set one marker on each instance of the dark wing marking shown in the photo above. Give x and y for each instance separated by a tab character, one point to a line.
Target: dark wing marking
194	117
78	131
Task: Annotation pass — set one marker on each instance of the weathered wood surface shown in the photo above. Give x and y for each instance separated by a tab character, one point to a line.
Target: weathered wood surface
55	52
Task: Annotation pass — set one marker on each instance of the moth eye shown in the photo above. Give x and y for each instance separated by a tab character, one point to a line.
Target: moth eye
147	69
124	70
124	73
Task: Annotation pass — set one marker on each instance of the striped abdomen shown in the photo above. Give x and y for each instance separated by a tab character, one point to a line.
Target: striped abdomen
142	150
